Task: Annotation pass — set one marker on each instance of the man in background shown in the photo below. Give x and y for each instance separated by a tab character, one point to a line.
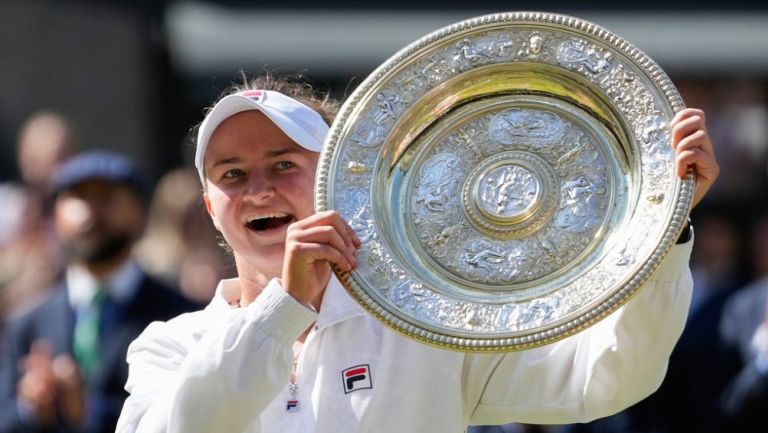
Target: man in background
63	364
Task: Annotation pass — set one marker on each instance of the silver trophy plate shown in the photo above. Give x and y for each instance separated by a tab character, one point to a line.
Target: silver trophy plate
511	179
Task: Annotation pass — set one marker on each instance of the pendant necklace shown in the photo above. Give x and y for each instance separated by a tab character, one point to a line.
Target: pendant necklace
292	405
293	402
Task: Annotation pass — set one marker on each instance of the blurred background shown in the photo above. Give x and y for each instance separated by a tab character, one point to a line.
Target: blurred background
135	76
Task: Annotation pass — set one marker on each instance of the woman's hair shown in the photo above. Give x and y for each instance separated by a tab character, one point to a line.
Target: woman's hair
296	87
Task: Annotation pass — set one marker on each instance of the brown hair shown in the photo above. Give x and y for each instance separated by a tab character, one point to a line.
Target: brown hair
296	87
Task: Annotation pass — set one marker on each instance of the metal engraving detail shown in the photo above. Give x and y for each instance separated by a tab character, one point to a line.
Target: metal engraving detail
534	126
507	192
521	216
511	179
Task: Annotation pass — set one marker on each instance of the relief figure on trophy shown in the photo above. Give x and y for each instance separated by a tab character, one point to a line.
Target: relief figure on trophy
440	240
486	259
468	53
357	199
532	47
508	190
373	128
583	155
388	107
369	133
436	69
581	55
518	260
654	128
501	46
412	84
494	263
538	311
546	252
437	191
581	205
515	125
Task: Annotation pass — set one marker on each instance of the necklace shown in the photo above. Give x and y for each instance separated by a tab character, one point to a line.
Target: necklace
292	405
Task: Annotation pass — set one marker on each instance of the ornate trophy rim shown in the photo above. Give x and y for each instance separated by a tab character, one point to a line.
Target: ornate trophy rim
473	336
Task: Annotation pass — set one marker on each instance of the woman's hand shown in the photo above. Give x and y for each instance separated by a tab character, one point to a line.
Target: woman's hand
311	245
693	149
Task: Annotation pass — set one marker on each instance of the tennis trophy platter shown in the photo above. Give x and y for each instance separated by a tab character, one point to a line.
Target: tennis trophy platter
511	179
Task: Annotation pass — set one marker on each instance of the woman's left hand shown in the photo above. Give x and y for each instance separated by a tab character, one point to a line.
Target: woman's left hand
693	149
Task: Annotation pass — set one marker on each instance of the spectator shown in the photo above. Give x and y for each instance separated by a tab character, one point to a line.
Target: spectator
46	139
29	258
744	328
63	364
179	244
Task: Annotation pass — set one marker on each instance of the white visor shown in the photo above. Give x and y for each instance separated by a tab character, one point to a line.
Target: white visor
300	123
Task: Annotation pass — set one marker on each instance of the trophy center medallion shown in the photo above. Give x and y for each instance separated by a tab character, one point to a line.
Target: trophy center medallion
508	193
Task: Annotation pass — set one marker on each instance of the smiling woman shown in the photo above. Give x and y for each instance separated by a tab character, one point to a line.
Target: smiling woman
283	347
257	153
258	181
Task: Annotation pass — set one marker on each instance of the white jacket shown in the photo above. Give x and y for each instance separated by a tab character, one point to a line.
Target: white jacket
227	369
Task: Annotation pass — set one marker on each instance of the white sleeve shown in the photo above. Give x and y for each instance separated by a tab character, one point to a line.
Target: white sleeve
217	382
595	373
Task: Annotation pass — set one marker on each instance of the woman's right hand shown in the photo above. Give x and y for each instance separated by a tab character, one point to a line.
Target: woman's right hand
311	245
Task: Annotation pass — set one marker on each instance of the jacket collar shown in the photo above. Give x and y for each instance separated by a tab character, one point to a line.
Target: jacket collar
227	294
336	306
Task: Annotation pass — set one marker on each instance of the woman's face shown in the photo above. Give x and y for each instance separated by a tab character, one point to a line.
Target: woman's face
258	181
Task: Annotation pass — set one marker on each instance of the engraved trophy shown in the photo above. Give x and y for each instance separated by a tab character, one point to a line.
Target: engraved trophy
511	179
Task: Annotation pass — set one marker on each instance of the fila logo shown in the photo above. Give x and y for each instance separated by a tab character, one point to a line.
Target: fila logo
256	95
356	378
292	406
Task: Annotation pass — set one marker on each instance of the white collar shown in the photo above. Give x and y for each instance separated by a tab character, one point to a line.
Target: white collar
227	294
122	283
336	306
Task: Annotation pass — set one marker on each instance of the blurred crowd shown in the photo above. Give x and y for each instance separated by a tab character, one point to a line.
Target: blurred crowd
717	377
178	245
90	255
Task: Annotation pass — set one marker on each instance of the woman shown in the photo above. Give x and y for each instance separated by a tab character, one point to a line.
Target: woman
283	348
